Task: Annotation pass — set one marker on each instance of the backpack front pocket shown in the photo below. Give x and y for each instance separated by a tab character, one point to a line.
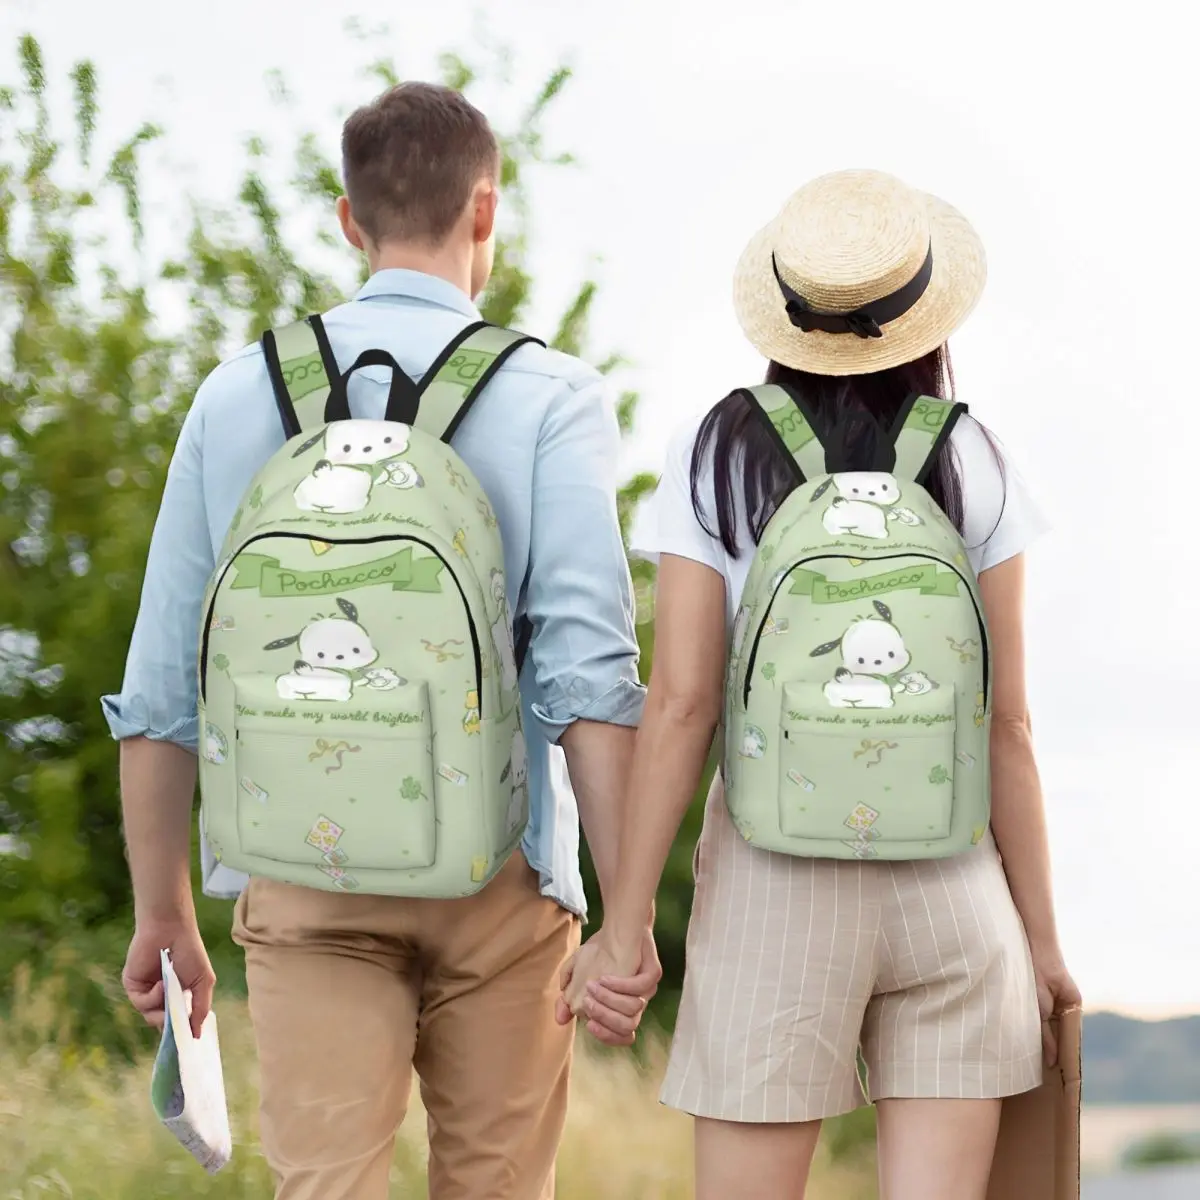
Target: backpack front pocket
865	775
336	785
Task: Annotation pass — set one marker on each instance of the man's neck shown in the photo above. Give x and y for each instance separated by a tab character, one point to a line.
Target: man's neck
449	263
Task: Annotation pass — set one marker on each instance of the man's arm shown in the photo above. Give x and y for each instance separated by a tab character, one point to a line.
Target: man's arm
599	756
579	599
155	718
158	782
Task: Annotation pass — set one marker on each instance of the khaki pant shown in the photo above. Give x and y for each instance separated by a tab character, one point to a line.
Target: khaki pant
348	993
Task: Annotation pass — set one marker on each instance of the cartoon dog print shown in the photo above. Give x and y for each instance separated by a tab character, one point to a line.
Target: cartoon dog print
754	742
874	659
520	774
502	633
865	503
358	455
216	745
336	656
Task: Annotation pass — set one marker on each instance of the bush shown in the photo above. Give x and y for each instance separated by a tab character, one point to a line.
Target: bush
1162	1149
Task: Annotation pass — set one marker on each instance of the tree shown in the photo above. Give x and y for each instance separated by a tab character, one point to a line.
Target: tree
93	388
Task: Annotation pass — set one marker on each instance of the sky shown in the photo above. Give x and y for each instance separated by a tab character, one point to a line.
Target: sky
1063	135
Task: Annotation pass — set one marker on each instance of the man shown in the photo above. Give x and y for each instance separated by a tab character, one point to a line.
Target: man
348	992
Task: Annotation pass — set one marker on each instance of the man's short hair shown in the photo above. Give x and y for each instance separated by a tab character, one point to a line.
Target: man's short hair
410	160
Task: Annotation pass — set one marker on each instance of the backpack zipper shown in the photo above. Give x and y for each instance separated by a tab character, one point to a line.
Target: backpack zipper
875	558
304	537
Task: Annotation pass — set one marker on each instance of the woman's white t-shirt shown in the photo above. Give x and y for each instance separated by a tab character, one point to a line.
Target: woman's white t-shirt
1000	518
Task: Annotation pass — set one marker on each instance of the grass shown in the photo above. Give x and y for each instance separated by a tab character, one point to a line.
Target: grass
76	1123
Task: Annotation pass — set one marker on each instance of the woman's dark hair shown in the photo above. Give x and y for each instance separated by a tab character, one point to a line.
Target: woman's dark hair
746	458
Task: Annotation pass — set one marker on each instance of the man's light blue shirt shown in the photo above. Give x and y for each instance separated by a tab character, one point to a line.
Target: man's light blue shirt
543	442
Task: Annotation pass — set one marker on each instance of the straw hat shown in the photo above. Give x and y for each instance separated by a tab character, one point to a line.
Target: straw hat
858	273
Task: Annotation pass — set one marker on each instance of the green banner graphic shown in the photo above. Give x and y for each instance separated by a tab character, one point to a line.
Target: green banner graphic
928	416
928	580
795	431
303	376
399	570
465	366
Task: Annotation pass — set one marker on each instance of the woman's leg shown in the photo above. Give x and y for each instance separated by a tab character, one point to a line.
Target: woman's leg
753	1162
780	970
953	1027
936	1149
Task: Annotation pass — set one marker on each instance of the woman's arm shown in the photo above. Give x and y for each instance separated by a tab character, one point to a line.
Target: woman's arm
683	706
1018	814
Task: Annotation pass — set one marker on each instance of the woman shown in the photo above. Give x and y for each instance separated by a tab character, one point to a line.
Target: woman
935	969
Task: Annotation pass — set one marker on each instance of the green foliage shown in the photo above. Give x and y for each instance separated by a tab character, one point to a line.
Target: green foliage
93	388
847	1137
1162	1149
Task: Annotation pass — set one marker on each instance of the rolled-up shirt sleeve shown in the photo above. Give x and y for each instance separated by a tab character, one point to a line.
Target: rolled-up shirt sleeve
158	694
579	596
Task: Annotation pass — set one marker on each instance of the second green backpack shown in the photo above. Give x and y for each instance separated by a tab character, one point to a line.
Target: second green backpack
360	714
858	695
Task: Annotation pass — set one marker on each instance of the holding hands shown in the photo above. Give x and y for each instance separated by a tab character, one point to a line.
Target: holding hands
608	985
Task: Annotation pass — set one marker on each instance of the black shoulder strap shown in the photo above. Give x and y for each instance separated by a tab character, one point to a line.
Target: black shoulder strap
454	381
922	427
458	376
311	391
303	372
793	426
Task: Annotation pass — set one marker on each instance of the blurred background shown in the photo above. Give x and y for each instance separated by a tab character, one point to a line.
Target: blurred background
167	175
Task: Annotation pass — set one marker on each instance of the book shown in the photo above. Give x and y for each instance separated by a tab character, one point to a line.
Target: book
187	1087
1037	1150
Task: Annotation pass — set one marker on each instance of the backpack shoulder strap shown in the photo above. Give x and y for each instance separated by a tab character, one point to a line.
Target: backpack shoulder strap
452	384
302	370
792	424
460	373
922	427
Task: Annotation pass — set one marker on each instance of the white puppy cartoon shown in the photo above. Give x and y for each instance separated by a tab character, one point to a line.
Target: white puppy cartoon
520	771
336	654
865	502
754	742
874	659
502	633
357	455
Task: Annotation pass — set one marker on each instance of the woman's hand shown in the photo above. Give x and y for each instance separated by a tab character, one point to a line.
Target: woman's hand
610	986
1056	992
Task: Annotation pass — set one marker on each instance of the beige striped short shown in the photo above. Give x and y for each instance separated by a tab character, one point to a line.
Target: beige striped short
794	965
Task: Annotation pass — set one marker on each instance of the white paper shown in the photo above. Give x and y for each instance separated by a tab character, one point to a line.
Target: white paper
187	1089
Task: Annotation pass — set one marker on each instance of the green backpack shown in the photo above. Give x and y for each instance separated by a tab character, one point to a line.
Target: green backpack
857	698
360	715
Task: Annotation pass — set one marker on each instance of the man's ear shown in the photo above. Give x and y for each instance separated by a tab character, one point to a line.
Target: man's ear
350	230
487	197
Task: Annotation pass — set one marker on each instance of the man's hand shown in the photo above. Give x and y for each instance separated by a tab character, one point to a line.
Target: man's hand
610	988
142	977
